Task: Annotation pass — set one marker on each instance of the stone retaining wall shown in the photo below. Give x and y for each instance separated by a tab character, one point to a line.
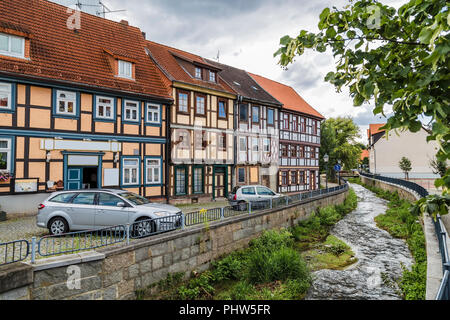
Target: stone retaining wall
118	272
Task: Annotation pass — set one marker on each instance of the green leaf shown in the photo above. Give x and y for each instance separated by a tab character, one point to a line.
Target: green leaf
331	33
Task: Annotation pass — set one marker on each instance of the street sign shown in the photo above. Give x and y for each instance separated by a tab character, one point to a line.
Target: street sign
337	167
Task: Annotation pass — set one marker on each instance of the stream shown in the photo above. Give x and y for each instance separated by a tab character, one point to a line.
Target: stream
379	255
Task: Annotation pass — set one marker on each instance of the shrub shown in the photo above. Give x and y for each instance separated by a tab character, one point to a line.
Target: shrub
230	267
328	216
273	240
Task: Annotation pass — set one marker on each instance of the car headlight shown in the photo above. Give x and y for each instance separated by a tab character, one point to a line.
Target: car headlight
161	214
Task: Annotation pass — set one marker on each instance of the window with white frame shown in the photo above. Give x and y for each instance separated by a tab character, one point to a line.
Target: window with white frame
5	95
153	113
198	179
130	171
182	102
125	69
212	76
131	111
66	102
198	72
153	167
266	145
12	46
200	105
5	154
105	108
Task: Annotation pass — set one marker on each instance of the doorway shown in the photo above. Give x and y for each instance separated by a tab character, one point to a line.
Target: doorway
220	182
79	178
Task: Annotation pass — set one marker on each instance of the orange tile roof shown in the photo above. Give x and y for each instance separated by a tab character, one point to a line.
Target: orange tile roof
364	154
58	53
375	128
166	57
287	96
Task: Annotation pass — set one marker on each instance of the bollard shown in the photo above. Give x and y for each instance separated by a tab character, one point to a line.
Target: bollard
33	250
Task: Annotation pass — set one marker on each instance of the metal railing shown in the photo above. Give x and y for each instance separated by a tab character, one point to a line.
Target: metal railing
444	288
14	251
53	245
80	241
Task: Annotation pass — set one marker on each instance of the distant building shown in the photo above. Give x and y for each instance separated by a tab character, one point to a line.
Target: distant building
386	151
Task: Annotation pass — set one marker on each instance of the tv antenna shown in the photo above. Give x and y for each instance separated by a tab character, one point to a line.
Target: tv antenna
102	10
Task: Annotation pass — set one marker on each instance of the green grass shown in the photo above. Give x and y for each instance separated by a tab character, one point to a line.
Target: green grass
401	223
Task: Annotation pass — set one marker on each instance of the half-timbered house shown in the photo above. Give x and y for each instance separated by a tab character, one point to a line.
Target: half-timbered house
201	126
256	121
299	139
81	105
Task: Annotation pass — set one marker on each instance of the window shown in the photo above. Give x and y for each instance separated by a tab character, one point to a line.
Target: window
198	179
200	141
255	114
302	152
182	139
212	76
293	151
249	190
266	145
293	177
125	69
294	124
5	96
284	150
302	125
243	113
222	141
286	121
63	198
5	155
183	102
109	200
66	102
153	171
264	191
134	198
87	198
12	46
242	144
198	72
105	108
284	178
131	111
241	175
200	105
180	181
130	171
153	113
270	117
302	177
222	109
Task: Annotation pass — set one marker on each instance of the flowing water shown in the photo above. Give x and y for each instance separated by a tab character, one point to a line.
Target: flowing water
380	256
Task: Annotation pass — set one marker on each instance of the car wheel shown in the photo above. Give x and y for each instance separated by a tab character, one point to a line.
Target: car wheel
242	206
58	226
143	227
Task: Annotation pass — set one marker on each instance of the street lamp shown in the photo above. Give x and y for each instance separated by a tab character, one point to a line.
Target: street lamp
326	158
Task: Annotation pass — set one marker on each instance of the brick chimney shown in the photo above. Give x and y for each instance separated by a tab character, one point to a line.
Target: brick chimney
124	22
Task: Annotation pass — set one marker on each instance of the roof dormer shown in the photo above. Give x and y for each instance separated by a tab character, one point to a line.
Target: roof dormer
14	41
123	66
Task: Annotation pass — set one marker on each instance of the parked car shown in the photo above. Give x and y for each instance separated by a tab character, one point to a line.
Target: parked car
256	194
66	211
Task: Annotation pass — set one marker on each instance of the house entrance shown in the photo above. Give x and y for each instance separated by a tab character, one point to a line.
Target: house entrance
82	171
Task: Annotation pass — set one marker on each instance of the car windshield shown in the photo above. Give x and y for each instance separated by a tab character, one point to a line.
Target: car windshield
134	198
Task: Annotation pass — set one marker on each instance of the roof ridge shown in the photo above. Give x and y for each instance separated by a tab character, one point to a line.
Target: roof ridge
169	47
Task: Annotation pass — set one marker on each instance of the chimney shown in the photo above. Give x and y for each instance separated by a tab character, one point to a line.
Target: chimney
144	35
124	22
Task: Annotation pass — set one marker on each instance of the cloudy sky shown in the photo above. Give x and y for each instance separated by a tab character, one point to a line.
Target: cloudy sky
247	33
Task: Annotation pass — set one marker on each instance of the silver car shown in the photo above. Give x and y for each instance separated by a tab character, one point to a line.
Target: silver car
97	209
256	194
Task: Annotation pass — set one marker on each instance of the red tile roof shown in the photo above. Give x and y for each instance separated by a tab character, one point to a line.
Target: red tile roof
166	57
375	128
287	96
364	154
58	53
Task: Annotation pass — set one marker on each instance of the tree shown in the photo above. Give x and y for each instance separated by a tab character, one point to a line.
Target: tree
439	167
392	57
338	140
405	166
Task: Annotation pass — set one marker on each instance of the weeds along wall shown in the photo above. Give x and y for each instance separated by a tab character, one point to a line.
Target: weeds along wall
117	273
402	192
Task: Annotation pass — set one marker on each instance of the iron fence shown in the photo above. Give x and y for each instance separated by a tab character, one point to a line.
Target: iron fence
202	216
14	251
80	241
444	288
148	227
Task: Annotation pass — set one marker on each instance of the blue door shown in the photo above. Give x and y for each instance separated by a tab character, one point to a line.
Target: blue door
74	178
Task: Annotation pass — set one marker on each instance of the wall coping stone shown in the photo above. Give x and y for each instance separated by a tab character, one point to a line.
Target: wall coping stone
66	260
15	275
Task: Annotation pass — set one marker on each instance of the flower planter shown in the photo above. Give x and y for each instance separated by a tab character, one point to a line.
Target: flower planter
2	216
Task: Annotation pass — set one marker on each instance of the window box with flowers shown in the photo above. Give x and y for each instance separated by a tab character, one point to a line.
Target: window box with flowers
5	177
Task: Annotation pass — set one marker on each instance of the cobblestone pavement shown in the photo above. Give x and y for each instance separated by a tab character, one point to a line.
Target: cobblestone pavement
20	228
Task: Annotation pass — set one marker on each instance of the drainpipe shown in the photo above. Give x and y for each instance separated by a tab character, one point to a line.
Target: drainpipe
235	139
168	151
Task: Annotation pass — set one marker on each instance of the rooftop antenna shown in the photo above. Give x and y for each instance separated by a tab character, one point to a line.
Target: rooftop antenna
100	12
106	10
218	56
